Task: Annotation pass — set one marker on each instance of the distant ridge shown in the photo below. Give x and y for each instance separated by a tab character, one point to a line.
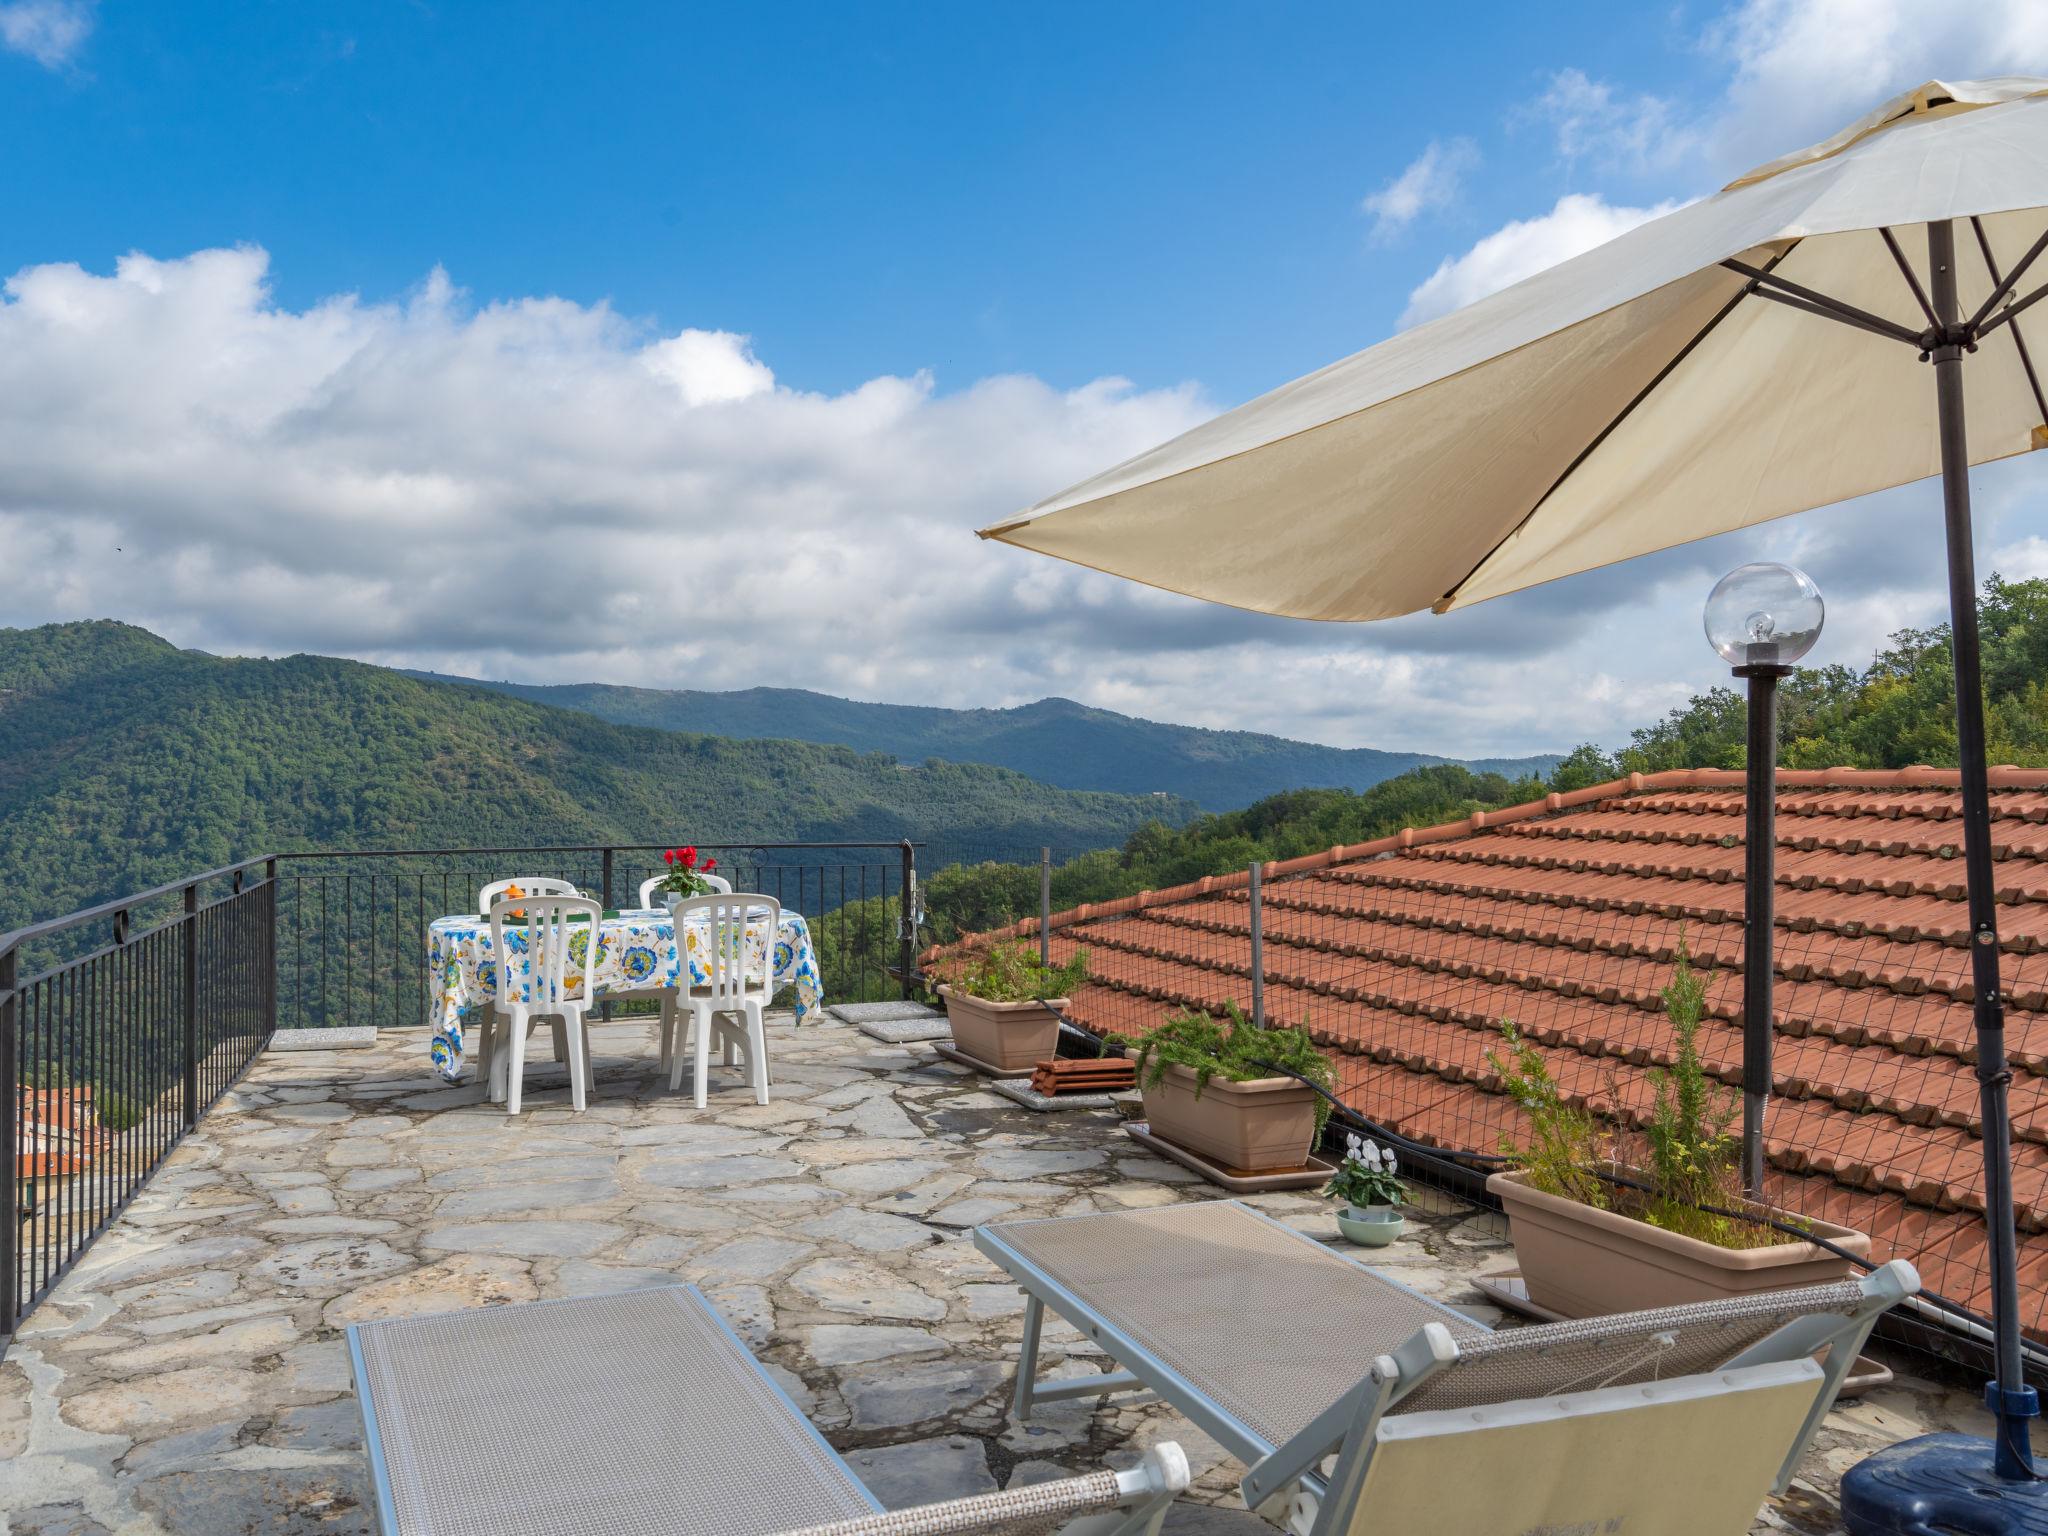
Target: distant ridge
125	761
1055	741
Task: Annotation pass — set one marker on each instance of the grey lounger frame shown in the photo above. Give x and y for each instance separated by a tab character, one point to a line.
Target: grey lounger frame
1414	1356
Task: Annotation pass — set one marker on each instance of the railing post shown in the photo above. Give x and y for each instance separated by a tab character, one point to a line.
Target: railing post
270	987
10	1138
191	1006
1045	906
604	901
907	927
1258	950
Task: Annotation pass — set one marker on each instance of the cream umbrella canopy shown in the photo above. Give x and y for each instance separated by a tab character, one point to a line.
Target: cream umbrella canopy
1642	395
1757	353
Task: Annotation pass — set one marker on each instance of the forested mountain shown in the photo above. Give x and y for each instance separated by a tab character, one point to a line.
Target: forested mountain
125	761
1054	740
1898	711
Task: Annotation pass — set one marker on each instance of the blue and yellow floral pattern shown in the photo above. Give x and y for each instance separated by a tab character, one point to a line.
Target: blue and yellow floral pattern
636	951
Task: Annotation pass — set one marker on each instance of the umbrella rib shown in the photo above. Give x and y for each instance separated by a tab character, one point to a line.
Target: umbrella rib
2013	311
1443	603
1825	313
2004	285
1912	278
2019	341
1833	308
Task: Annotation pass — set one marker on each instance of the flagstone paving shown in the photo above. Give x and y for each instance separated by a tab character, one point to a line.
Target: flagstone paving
190	1376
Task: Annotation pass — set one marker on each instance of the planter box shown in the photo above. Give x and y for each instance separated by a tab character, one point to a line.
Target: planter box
1586	1263
1013	1037
1267	1123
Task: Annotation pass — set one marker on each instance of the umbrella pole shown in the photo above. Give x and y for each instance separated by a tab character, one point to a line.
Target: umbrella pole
1759	918
2011	1401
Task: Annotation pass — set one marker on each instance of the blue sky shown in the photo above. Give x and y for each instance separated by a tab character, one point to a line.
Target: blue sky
540	341
1163	193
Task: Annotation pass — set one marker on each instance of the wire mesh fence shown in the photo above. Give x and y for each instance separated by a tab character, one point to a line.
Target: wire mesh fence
1404	968
1409	969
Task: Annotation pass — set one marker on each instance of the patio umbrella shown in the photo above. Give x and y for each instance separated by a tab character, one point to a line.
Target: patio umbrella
1754	354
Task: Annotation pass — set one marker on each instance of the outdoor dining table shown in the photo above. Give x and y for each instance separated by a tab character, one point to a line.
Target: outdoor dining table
637	952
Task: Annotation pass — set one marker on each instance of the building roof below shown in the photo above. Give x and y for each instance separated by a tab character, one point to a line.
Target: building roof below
1403	956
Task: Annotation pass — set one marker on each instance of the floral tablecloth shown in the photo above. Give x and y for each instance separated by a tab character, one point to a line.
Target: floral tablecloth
636	952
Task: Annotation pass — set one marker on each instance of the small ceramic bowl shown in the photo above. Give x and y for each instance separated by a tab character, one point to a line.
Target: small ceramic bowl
1374	1227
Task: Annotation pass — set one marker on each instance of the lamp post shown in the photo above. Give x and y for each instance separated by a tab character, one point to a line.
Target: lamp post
1762	618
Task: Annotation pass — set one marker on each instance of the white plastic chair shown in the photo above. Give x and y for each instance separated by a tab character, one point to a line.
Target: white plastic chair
557	986
653	898
733	1002
531	885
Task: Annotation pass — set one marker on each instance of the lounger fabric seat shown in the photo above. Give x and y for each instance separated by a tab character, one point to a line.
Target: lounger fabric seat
675	1427
1267	1324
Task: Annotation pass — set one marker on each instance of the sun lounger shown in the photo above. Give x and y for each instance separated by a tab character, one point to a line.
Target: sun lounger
1289	1353
642	1414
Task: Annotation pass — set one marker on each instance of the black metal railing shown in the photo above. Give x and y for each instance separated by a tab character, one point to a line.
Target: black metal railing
122	1024
352	926
119	1027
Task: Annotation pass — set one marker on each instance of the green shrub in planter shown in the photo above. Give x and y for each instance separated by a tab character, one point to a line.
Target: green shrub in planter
1011	972
1233	1047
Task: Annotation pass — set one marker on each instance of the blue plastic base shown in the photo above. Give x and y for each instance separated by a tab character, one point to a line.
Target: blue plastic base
1940	1485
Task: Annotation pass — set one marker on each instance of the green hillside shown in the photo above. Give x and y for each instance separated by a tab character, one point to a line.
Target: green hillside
1054	740
1898	711
124	762
976	897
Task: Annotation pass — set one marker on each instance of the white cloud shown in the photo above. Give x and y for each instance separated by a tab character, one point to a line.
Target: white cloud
710	366
1798	71
1611	128
1578	222
533	488
49	31
1431	181
1805	68
526	490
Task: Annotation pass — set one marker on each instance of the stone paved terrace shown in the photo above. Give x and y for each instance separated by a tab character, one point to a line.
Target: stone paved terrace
190	1375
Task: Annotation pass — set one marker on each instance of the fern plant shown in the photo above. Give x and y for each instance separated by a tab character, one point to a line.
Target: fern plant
1684	1157
1011	972
1566	1145
1691	1155
1233	1047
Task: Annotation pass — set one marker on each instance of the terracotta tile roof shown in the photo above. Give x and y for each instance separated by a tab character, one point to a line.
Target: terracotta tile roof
57	1132
1403	955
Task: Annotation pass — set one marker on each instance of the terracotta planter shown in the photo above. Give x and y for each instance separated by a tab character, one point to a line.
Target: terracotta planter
1267	1123
1010	1036
1586	1263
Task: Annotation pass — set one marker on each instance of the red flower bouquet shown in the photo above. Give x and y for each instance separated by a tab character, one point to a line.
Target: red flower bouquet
686	873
